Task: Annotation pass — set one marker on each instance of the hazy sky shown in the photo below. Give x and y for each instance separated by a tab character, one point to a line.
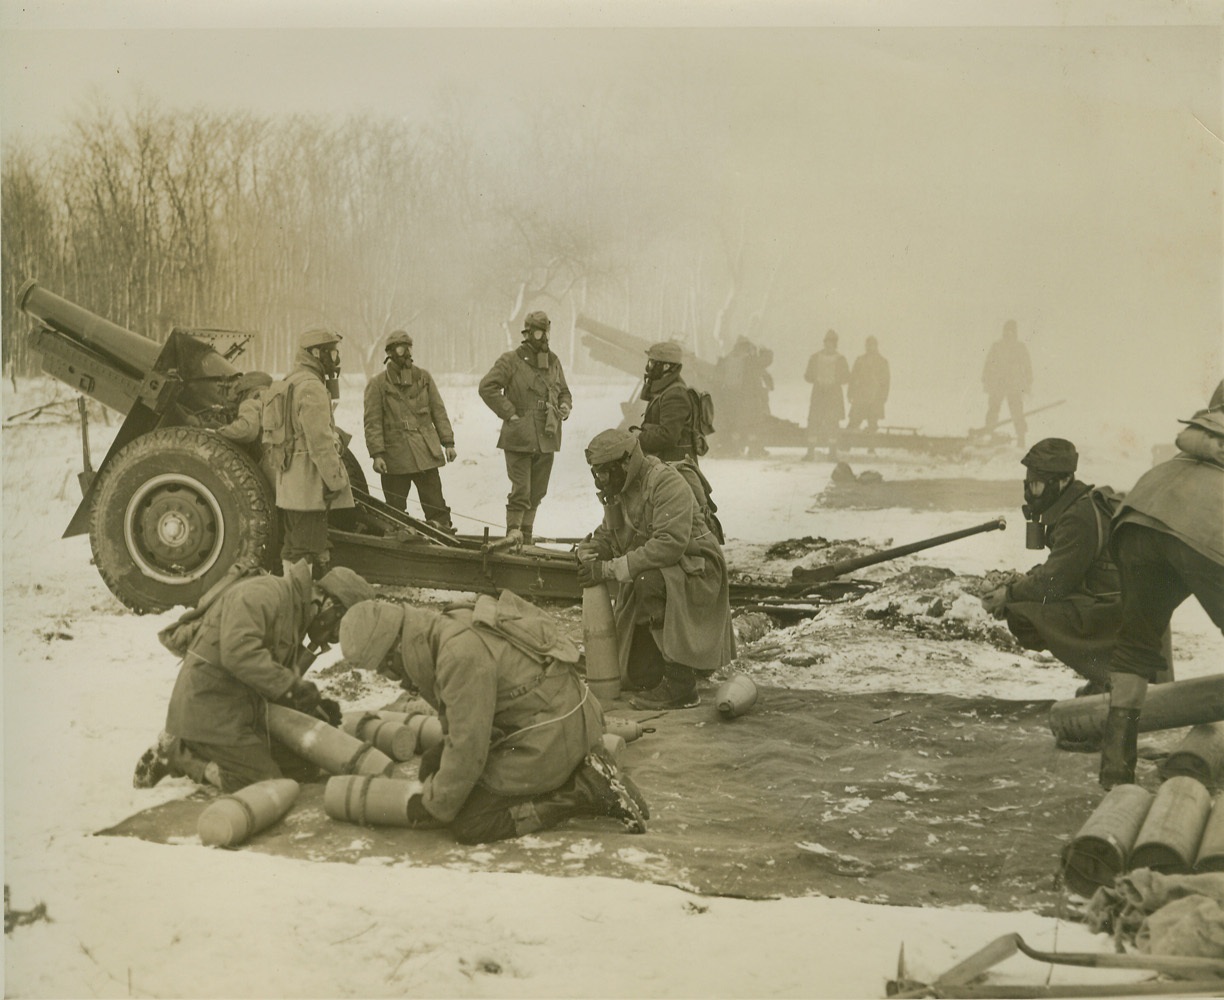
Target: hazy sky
936	167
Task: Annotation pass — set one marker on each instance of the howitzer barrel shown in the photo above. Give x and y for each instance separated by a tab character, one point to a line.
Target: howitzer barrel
135	353
821	574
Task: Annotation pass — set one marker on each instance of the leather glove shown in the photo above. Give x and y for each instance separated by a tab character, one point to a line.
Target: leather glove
304	696
380	465
331	496
587	551
328	710
564	410
995	602
431	760
591	573
417	813
451	453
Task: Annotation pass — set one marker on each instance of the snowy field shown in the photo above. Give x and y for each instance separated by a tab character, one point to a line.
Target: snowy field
85	685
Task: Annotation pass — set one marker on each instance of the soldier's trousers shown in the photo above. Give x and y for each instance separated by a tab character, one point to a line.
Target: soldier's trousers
246	764
397	485
305	536
529	472
1158	571
1015	410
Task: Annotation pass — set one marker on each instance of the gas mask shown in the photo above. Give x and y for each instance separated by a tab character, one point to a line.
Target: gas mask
328	357
610	479
538	339
324	628
655	371
400	355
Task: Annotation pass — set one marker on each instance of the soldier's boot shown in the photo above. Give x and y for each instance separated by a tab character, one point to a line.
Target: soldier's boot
154	763
442	520
1120	741
514	527
528	525
596	788
678	689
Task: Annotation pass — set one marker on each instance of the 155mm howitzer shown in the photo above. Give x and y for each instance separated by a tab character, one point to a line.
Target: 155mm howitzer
172	506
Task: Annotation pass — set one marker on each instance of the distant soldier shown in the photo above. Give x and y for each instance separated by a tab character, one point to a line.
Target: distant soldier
523	749
1168	540
868	388
408	433
244	654
828	372
743	385
668	575
299	428
526	388
1007	374
669	426
1072	603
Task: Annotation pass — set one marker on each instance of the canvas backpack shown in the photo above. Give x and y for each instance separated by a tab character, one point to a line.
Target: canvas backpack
276	424
526	627
703	419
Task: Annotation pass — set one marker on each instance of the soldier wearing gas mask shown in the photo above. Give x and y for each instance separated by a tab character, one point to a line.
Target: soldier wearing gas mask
1071	604
311	478
665	570
252	646
408	433
669	425
526	388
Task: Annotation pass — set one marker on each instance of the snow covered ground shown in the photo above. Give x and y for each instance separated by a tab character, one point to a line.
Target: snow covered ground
85	684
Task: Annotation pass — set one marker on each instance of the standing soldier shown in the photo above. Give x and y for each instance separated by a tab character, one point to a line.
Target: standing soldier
1007	374
666	570
300	432
247	426
408	433
526	388
828	372
669	426
868	389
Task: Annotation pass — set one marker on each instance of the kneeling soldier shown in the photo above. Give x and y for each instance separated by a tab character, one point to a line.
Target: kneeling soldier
671	592
523	748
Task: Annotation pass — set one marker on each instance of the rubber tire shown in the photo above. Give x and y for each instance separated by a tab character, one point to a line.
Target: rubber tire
201	465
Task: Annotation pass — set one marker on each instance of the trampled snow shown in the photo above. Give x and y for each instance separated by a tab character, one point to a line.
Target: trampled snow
85	686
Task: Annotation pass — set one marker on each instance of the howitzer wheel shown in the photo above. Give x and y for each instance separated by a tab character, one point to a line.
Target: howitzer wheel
172	511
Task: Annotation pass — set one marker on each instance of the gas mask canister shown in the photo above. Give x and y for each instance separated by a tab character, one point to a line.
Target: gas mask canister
1041	491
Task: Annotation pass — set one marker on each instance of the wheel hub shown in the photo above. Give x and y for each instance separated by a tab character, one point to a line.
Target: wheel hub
174	528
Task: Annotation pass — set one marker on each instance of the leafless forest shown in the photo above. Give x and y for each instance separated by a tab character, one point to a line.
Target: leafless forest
162	218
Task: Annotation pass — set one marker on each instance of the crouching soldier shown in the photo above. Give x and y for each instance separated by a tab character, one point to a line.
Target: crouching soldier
523	748
1071	604
1169	543
244	654
668	576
